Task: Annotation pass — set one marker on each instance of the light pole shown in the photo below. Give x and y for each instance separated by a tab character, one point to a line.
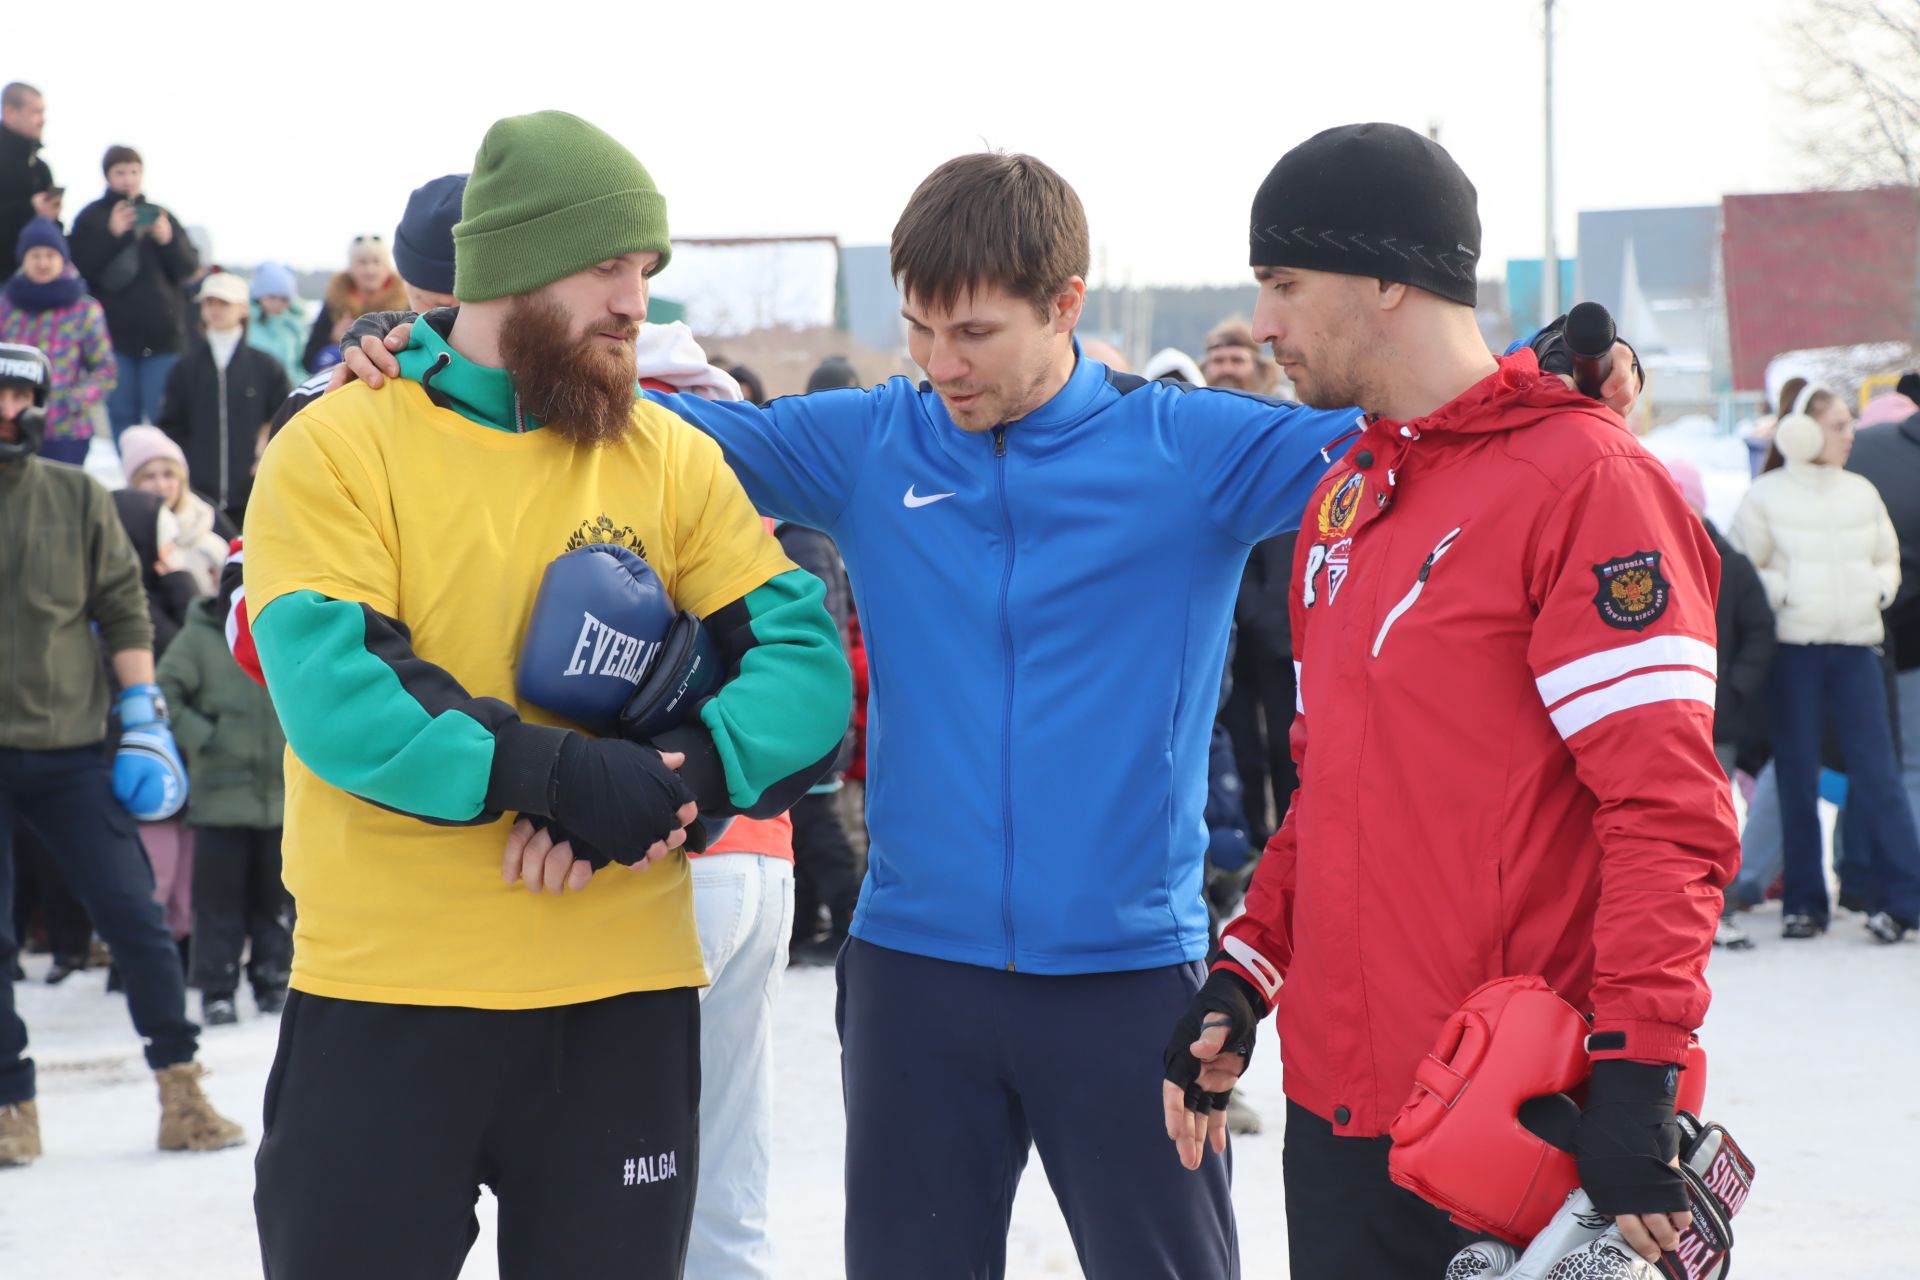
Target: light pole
1550	259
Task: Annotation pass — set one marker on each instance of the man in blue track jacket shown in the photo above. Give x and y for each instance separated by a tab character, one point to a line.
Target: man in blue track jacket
1045	555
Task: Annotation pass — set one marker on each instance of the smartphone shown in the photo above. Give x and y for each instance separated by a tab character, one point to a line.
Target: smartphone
144	214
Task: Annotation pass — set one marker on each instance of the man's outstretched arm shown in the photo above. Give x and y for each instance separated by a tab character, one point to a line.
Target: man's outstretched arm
798	457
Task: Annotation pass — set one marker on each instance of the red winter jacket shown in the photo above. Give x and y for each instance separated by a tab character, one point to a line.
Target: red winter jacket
1503	622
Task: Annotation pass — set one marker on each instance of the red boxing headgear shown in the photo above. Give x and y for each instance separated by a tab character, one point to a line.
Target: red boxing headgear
1459	1142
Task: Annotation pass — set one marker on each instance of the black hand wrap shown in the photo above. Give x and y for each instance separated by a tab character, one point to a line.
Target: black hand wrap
615	796
1628	1138
560	835
698	838
1224	994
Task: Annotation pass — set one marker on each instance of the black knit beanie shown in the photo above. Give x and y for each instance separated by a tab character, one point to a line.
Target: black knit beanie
1371	200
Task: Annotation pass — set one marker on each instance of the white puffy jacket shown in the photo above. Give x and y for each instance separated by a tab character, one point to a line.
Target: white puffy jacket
1825	549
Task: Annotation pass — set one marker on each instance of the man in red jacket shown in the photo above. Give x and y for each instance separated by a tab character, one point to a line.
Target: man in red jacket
1503	623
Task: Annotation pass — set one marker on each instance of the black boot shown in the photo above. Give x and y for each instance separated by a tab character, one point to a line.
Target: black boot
64	967
1800	926
821	952
1886	927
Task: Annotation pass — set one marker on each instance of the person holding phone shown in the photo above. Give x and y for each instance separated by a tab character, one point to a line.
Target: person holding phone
27	189
135	258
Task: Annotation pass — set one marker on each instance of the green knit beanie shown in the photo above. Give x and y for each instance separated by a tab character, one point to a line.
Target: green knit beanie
551	195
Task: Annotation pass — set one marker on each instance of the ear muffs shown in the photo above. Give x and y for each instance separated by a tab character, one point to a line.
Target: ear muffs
1796	434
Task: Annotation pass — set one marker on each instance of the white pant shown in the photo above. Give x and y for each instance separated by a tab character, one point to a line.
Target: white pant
743	904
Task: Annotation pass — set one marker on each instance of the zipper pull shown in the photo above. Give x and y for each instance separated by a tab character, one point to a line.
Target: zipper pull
1000	442
1419	584
1440	548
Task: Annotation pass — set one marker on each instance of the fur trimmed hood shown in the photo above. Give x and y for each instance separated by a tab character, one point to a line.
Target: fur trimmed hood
342	300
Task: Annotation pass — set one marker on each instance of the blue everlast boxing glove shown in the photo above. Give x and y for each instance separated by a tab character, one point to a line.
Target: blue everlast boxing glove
149	778
606	647
685	673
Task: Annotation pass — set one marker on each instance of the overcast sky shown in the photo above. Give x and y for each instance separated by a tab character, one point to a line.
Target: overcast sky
285	134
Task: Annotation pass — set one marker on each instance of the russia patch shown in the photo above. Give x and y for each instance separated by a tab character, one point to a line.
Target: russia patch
1633	592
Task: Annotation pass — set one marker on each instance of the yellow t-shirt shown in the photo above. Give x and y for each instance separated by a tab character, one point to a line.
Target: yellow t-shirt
446	525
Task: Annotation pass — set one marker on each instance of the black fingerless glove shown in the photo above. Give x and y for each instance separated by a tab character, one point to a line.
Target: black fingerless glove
1628	1138
375	324
1224	993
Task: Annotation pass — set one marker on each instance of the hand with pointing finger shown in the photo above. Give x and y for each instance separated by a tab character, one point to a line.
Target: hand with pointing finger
1206	1054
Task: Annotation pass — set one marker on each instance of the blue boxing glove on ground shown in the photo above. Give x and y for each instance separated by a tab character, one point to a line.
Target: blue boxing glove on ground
149	778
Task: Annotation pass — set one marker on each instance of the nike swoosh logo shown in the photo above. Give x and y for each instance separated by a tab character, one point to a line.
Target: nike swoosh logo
915	500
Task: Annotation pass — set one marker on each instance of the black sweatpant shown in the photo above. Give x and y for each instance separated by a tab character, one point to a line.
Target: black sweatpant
382	1121
823	870
1347	1220
66	796
1259	718
238	898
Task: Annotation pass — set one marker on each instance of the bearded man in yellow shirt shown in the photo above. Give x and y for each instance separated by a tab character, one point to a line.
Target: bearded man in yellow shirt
447	1026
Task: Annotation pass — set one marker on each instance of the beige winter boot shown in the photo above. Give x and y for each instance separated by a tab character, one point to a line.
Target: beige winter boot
188	1121
1241	1118
19	1134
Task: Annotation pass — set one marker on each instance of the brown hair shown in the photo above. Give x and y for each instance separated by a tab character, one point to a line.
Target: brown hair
17	94
1233	333
986	220
1816	403
119	153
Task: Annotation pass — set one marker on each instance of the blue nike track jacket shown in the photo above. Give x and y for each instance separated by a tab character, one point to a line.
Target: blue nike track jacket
1046	610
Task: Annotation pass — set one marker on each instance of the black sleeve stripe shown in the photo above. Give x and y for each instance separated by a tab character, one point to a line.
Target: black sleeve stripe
731	626
437	692
783	795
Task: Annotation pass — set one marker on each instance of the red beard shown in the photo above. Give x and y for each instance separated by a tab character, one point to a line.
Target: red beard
581	389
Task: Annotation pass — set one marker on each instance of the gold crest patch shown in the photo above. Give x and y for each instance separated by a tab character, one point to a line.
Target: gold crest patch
1341	505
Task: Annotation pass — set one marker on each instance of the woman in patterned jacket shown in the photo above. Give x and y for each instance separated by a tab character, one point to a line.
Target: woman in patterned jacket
45	304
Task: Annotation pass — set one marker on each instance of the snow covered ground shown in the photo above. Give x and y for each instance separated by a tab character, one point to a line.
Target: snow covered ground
1814	1052
1815	1048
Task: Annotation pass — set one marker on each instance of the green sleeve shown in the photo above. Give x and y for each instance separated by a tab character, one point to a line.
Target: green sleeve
775	726
371	717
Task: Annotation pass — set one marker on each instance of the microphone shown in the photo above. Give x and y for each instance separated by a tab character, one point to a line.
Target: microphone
1590	338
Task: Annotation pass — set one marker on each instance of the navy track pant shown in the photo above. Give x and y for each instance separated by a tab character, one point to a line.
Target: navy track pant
952	1072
